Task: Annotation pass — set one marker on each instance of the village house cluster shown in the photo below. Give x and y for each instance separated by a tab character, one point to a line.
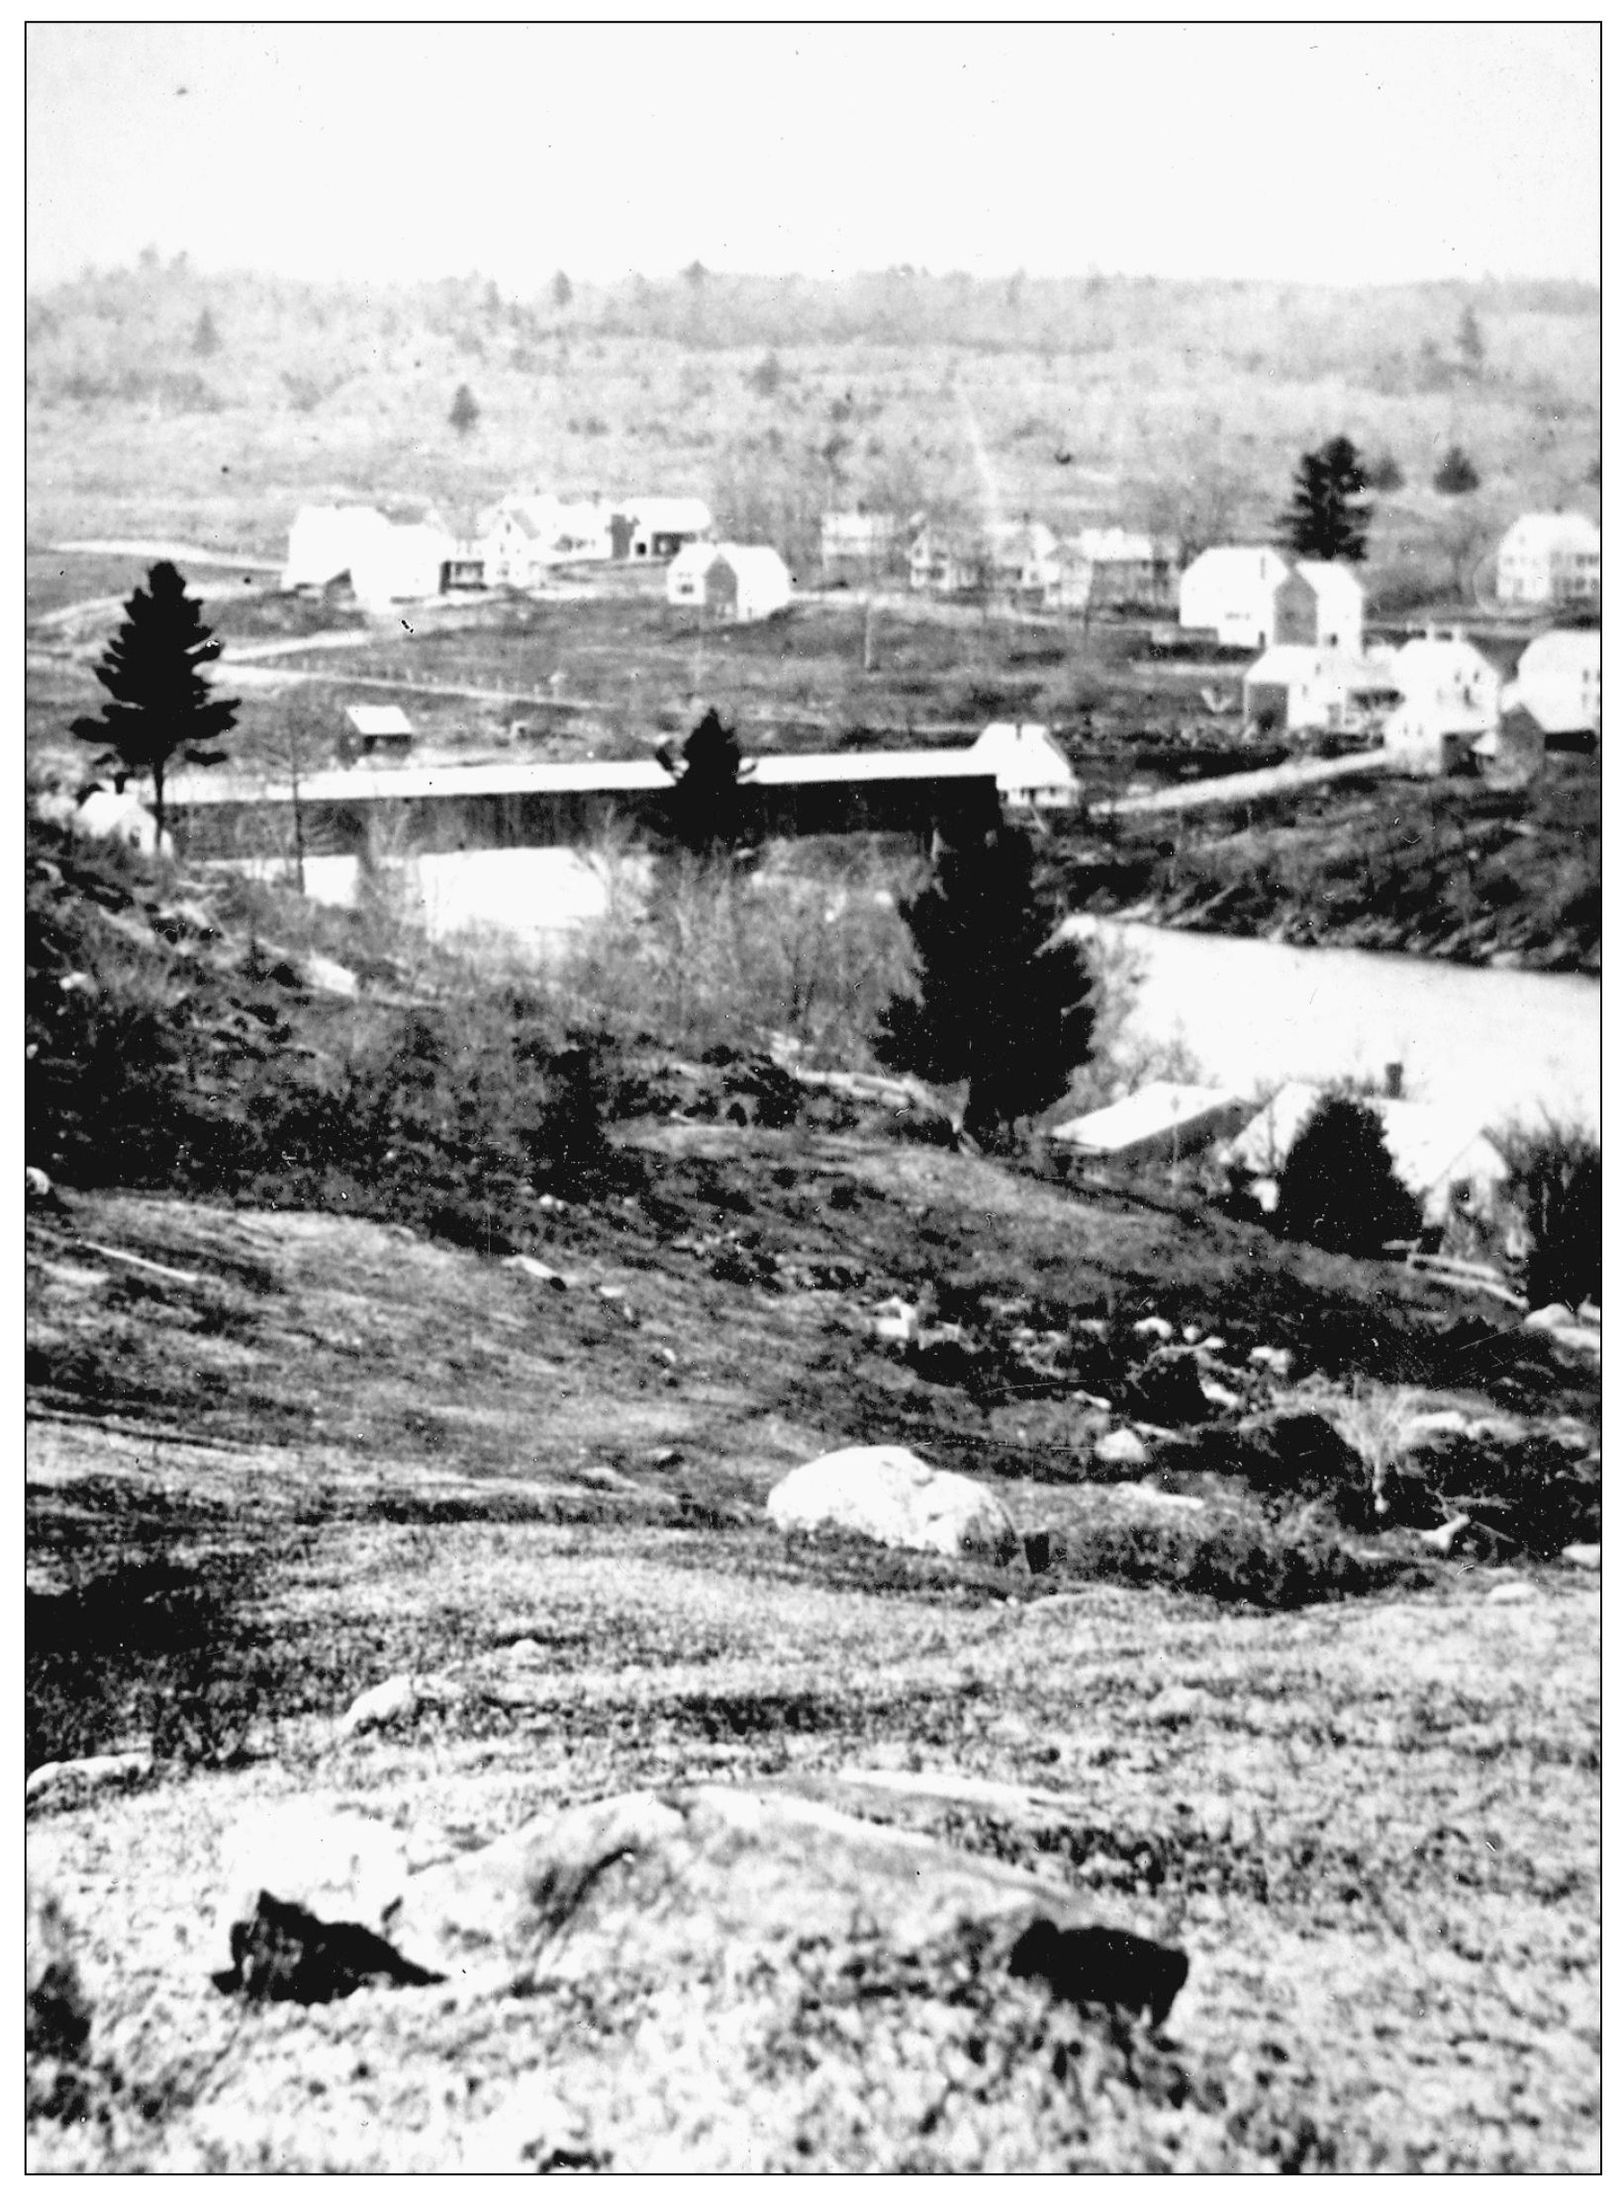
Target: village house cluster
524	541
1441	701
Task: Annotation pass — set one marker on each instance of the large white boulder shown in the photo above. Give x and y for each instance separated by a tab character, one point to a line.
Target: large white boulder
886	1492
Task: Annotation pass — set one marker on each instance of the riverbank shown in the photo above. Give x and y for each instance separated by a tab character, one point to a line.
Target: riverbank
1463	871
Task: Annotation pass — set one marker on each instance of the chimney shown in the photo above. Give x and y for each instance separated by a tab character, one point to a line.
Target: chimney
1394	1082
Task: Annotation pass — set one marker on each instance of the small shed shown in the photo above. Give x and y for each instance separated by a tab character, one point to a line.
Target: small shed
1161	1122
656	527
1031	770
382	731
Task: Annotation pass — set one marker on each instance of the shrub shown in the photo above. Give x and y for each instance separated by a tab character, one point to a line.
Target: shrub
1233	1558
1337	1187
1554	1184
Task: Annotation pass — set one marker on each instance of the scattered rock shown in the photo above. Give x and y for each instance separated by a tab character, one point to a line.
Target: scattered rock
1154	1326
76	1771
1511	1592
1586	1555
394	1702
542	1272
527	1651
1553	1317
1146	1493
287	1876
328	978
889	1494
1275	1360
1121	1448
79	984
1216	1394
39	1184
727	1875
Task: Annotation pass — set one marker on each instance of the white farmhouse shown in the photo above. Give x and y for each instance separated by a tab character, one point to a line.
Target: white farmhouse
402	562
325	539
1558	682
1451	697
732	583
1031	770
1230	591
1550	558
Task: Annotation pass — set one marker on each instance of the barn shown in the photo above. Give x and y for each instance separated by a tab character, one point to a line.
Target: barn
729	583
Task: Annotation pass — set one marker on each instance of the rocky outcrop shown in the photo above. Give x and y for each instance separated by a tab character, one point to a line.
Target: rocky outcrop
890	1495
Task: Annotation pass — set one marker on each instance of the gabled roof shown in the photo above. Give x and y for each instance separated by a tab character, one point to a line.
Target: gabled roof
1331	578
1552	532
1442	653
380	721
1561	653
754	561
1024	756
1239	565
1148	1113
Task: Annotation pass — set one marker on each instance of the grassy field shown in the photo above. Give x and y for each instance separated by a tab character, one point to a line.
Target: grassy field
344	1453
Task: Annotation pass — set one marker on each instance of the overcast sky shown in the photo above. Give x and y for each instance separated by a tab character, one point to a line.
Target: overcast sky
1346	153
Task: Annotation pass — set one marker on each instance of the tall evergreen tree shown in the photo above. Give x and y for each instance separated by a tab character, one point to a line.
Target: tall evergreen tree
160	706
1456	474
1000	1003
705	809
205	335
1328	519
1337	1185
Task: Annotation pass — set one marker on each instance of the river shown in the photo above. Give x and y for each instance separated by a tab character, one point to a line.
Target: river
1250	1013
1503	1045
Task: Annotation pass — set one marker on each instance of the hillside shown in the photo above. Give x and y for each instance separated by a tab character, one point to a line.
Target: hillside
1176	405
1459	870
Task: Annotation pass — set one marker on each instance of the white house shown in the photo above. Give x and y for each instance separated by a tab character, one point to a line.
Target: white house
1159	1122
1451	697
402	562
1558	681
656	527
1550	558
1439	1153
1338	602
733	583
1009	558
381	730
1305	688
325	540
1030	768
1106	567
1230	591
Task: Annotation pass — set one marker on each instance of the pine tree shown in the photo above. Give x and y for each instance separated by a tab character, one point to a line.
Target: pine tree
1328	520
205	335
464	410
1337	1186
1000	1003
1456	474
563	291
705	809
161	707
